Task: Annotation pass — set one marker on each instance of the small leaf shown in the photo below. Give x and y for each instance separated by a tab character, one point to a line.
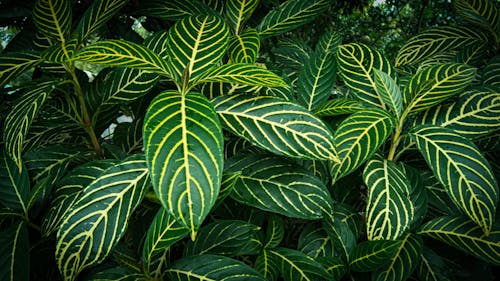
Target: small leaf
389	91
15	63
242	74
14	252
244	47
238	11
372	255
14	185
295	265
53	18
338	106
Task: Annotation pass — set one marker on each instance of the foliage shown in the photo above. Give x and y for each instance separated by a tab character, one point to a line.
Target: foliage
250	150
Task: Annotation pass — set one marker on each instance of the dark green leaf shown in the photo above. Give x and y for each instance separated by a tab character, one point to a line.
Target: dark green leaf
275	231
96	16
175	9
243	74
372	255
15	63
295	265
338	106
315	242
238	11
244	47
14	185
14	253
53	18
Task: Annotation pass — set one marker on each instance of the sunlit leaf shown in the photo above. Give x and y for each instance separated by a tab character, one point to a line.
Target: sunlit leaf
338	106
389	91
243	74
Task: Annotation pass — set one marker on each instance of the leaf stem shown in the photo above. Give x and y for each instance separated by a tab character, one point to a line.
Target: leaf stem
396	138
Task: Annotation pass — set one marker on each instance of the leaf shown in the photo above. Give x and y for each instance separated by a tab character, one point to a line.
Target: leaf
466	236
403	262
275	231
435	84
20	117
481	12
437	40
123	53
127	84
342	236
98	219
335	266
491	72
389	91
289	15
184	150
338	106
372	255
389	209
175	9
244	47
276	125
242	74
438	197
358	137
272	183
163	232
61	52
239	11
14	185
291	54
432	267
14	252
268	265
53	18
96	16
315	242
295	265
15	63
196	44
357	63
211	268
115	274
462	170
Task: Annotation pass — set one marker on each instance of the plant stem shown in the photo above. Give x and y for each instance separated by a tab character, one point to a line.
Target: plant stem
396	138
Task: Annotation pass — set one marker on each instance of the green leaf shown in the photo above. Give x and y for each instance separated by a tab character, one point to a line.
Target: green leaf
126	84
342	236
276	125
372	255
432	267
275	231
272	183
268	265
315	242
98	219
435	84
389	209
242	74
123	53
335	266
53	18
14	185
244	47
295	265
211	268
61	52
491	72
184	150
462	170
226	237
15	63
96	16
196	44
438	197
389	91
237	12
466	236
116	274
358	137
357	63
481	12
175	9
338	106
14	253
437	40
291	14
163	232
403	262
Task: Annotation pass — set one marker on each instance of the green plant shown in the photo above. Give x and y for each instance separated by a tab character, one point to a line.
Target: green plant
288	163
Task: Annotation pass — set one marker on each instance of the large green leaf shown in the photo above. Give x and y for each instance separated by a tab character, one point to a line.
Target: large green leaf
14	185
389	91
276	125
244	47
291	54
184	150
274	184
211	268
123	53
14	253
238	11
403	262
389	209
356	64
338	106
463	171
175	9
358	137
372	255
435	84
96	16
482	12
438	40
15	63
466	236
98	219
291	14
53	18
196	44
243	74
295	265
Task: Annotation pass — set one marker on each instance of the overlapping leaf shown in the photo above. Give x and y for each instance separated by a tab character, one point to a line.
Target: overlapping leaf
184	151
176	9
14	185
238	11
127	84
482	12
315	242
338	106
462	170
15	63
466	236
291	54
242	74
276	125
295	265
342	236
389	91
432	267
96	16
275	231
267	265
372	255
244	47
53	18
98	219
491	72
59	53
14	252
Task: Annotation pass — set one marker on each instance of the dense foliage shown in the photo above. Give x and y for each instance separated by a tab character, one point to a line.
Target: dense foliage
249	140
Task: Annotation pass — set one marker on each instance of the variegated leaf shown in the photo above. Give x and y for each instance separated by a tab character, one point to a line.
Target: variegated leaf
14	185
328	43
432	267
96	16
295	265
244	47
238	11
338	106
61	52
491	72
16	63
275	231
389	91
342	236
15	252
53	18
372	255
482	12
267	265
175	9
242	74
315	242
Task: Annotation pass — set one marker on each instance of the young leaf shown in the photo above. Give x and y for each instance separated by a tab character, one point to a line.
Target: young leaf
244	47
462	170
466	236
184	150
276	125
371	255
338	106
96	16
14	185
295	265
53	18
238	11
176	9
389	91
15	63
242	74
14	252
98	219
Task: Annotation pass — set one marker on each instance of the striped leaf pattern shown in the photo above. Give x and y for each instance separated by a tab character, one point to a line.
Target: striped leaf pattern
127	84
342	236
338	106
14	185
96	16
176	9
196	44
462	170
14	252
295	265
243	74
403	262
238	11
275	231
123	53
291	14
184	150
211	268
491	72
389	209
435	84
244	47
268	265
389	91
276	125
60	53
53	18
482	12
356	64
432	267
273	184
358	137
437	40
98	219
315	242
466	236
372	255
16	63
